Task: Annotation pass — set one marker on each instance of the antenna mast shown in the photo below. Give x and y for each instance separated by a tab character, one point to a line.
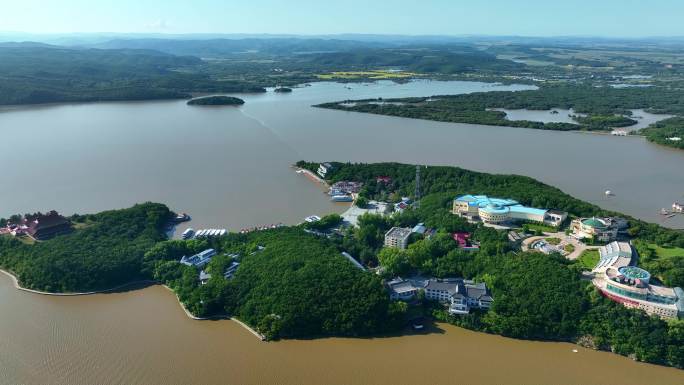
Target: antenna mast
416	199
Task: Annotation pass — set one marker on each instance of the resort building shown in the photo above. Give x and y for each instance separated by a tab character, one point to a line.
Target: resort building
630	286
324	169
461	295
401	289
200	259
40	226
500	211
397	237
613	255
598	229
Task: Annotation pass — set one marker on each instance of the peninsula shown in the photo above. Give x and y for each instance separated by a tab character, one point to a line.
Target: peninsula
597	108
331	277
218	100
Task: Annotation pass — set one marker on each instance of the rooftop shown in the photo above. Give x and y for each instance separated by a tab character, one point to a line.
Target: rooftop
615	254
398	232
483	201
419	228
594	222
498	205
633	272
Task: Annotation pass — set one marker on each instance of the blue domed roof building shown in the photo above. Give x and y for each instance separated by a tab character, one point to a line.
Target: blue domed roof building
500	211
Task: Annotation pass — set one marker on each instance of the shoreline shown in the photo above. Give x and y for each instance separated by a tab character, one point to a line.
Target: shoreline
15	282
17	286
311	175
216	317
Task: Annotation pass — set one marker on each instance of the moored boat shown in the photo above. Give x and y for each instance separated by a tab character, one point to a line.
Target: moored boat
342	198
188	233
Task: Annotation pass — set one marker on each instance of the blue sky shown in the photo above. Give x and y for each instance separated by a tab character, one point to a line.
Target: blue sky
629	18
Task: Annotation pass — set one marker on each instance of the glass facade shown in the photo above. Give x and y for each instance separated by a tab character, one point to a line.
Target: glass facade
640	296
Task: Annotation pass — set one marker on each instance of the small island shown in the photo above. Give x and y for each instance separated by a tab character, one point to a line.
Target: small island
218	100
283	89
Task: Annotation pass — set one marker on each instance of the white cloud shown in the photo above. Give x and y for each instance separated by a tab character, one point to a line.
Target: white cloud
159	25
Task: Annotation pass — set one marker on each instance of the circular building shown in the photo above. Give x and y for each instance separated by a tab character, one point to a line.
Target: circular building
599	229
635	274
593	224
495	213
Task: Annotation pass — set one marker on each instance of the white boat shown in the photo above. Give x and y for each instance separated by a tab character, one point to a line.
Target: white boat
312	218
609	193
342	198
187	233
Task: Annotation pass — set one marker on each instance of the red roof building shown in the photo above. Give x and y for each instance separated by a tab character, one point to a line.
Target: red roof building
41	226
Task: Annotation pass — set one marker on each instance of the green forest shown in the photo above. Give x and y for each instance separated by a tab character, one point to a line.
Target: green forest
294	284
39	73
290	284
605	107
105	251
46	74
666	132
536	296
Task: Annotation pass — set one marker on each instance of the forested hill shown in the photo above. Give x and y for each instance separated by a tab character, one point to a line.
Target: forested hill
32	73
104	251
429	60
212	48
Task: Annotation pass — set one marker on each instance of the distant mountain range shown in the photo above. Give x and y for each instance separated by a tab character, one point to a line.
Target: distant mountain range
221	43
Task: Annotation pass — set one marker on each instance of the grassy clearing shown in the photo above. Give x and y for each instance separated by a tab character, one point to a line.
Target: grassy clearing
569	248
588	259
553	241
538	227
374	75
665	252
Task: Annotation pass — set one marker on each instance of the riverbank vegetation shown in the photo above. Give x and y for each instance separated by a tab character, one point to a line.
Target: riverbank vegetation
290	284
599	108
668	132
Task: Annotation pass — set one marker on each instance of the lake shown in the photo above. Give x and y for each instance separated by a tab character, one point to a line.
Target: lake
643	118
230	166
144	337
